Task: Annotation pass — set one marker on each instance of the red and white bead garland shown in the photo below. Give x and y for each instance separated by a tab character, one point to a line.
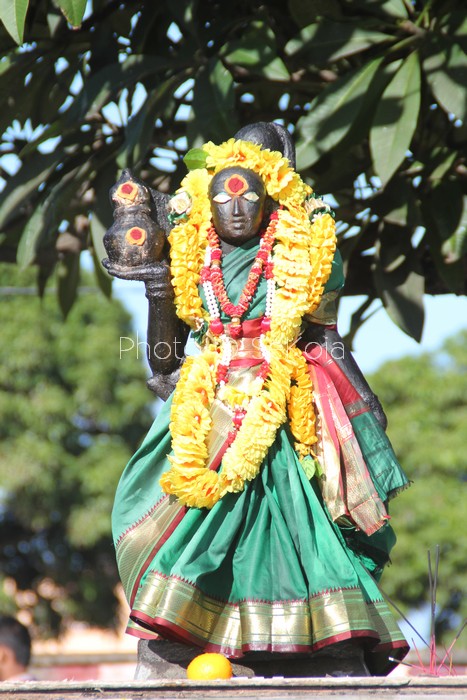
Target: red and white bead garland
212	279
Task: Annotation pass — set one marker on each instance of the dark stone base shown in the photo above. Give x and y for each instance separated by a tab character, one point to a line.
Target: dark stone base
164	659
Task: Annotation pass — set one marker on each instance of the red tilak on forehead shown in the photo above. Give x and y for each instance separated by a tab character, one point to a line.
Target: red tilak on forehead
236	184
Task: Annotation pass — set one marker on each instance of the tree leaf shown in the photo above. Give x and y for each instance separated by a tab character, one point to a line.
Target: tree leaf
356	320
444	160
104	280
330	41
456	246
460	32
306	11
392	8
446	72
100	222
332	113
400	284
97	91
195	158
396	119
67	282
5	65
446	221
257	51
31	237
26	181
13	16
42	226
276	70
445	206
73	10
107	82
213	104
140	127
22	90
397	204
347	159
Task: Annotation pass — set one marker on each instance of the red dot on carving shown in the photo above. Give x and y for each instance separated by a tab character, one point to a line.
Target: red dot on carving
127	188
235	184
136	233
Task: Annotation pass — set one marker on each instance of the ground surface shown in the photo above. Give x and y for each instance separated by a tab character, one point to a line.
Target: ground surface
244	689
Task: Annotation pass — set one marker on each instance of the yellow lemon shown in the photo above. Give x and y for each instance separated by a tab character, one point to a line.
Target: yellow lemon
209	667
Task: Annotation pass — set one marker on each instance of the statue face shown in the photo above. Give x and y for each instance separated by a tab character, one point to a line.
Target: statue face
237	204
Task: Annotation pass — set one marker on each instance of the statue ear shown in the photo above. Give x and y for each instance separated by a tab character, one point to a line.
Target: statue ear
270	206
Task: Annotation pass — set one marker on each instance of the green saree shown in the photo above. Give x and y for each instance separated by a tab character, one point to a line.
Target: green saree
290	564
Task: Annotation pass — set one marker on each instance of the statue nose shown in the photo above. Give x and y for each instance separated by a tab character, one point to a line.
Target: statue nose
236	206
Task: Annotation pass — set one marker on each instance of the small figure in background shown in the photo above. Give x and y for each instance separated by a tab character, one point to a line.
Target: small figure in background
15	650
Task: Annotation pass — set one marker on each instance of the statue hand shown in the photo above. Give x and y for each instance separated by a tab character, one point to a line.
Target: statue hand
164	384
141	273
373	402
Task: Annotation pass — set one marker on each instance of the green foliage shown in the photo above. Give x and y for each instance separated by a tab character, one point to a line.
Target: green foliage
13	16
424	399
73	10
373	92
396	119
71	415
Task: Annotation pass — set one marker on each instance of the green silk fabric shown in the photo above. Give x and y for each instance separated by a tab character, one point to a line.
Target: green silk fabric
274	541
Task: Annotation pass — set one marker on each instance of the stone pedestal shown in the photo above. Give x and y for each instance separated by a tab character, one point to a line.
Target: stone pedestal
164	659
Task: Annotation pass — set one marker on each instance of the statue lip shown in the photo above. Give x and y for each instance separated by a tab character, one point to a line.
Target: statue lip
238	221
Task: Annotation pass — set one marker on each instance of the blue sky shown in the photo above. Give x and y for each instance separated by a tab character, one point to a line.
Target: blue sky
380	339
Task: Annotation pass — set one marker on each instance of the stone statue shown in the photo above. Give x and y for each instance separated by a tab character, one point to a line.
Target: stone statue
253	519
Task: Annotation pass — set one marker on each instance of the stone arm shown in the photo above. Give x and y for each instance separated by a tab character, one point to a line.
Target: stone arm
167	334
329	338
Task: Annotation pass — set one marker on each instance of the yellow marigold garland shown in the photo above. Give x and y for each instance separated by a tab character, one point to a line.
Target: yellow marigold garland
302	257
300	406
188	240
191	422
322	248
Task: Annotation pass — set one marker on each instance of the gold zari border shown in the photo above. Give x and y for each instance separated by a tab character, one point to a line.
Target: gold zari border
135	546
263	624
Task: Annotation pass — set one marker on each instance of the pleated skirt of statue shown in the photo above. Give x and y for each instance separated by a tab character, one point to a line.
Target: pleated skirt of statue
279	567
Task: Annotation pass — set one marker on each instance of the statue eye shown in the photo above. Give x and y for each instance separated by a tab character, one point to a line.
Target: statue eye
221	198
251	196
